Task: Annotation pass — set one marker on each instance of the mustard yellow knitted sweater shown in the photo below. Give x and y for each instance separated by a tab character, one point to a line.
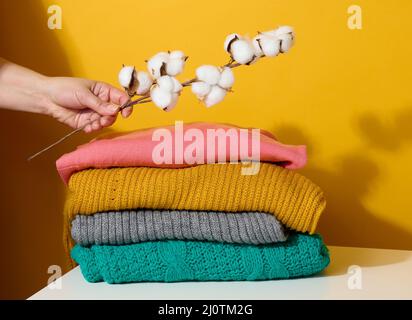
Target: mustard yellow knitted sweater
293	199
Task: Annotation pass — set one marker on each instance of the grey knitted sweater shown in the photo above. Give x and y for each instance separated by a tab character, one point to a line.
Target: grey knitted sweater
126	227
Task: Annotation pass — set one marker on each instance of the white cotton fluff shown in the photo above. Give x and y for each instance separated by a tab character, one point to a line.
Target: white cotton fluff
226	78
176	63
257	46
286	37
166	83
154	65
283	30
242	51
208	73
144	82
216	95
200	89
229	39
166	92
213	84
169	84
177	54
270	45
175	66
125	76
160	97
285	45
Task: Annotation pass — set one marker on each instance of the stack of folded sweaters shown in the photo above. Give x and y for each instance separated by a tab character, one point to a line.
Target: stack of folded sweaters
128	219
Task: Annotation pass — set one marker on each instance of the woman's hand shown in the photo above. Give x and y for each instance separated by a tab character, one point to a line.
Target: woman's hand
77	102
84	103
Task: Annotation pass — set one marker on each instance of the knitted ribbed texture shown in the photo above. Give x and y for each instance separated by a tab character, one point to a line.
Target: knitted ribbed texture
126	227
293	199
301	255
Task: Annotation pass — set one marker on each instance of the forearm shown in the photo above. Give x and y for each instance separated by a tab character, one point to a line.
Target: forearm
21	88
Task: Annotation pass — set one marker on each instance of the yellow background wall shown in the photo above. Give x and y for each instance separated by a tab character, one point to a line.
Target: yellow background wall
345	93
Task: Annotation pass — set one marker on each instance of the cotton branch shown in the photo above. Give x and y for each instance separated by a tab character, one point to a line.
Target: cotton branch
211	84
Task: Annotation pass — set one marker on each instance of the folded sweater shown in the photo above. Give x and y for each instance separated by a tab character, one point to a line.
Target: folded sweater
135	149
126	227
293	199
170	261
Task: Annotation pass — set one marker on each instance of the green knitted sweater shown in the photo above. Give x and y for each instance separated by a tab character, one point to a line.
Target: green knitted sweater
301	255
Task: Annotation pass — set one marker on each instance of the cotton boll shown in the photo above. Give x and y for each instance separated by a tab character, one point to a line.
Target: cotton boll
270	46
226	78
283	30
257	46
157	63
242	51
216	95
144	82
209	74
161	97
229	40
285	45
281	33
177	54
286	42
286	36
169	84
155	66
175	66
201	89
166	83
126	78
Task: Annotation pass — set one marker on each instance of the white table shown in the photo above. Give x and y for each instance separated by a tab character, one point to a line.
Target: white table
383	274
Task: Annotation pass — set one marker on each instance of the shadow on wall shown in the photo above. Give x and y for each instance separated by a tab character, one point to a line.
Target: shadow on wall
346	221
31	193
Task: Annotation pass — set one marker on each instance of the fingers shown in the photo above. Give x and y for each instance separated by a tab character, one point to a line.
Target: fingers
91	101
107	121
117	96
96	124
127	112
120	97
92	123
88	128
105	100
111	94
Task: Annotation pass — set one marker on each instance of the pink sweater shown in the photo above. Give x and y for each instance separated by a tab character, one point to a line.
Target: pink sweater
135	149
